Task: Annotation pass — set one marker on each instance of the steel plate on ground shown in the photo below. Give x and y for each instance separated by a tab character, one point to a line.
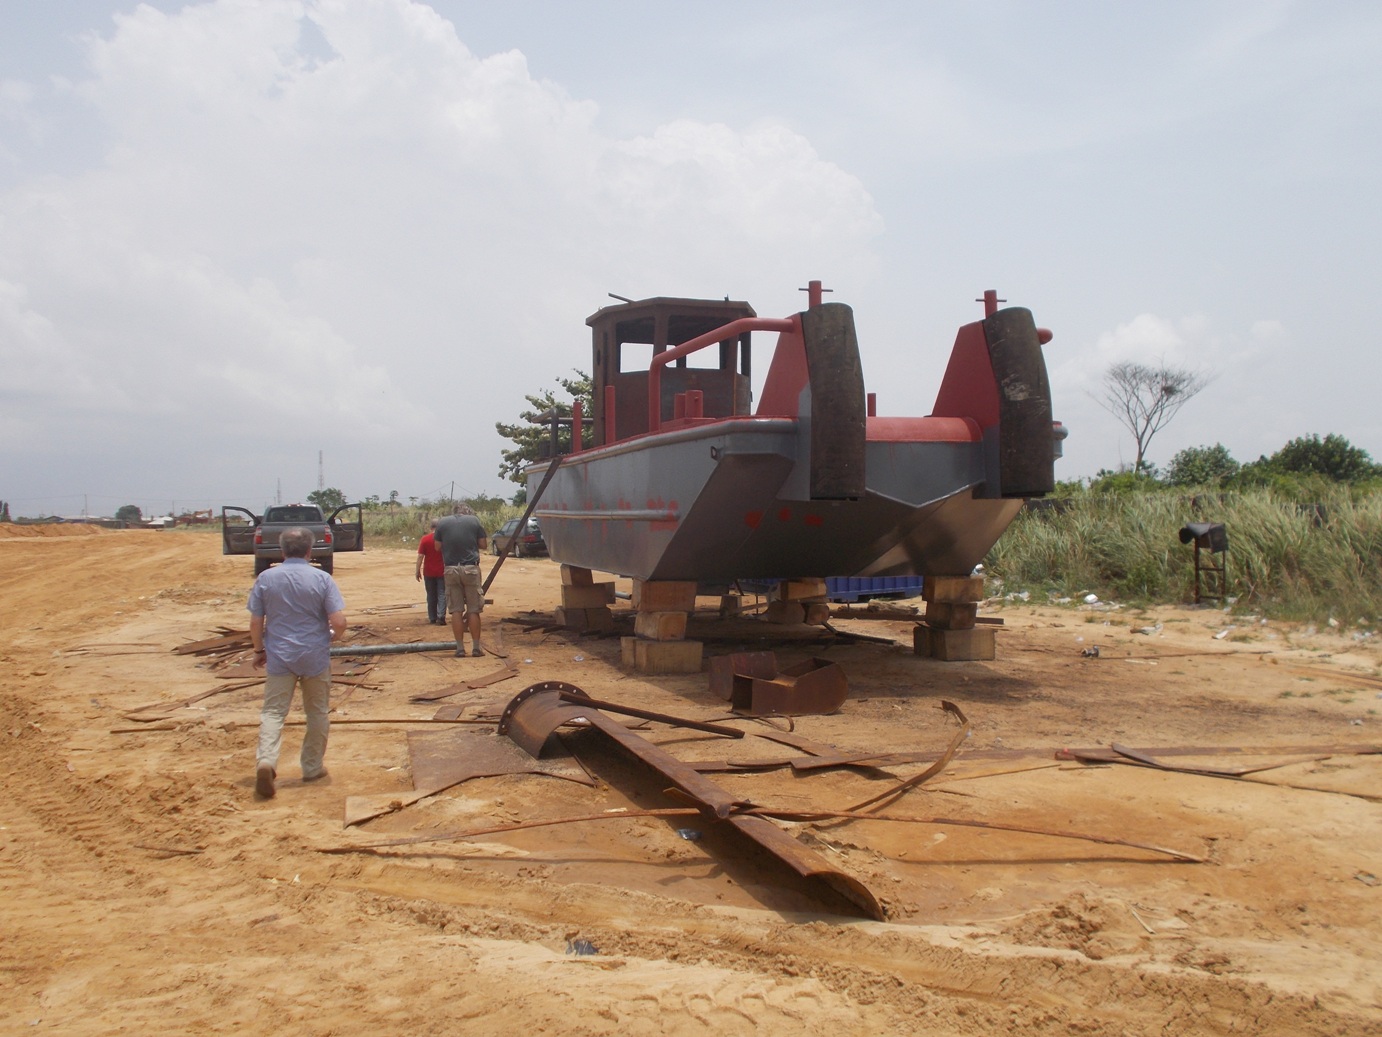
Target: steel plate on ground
441	759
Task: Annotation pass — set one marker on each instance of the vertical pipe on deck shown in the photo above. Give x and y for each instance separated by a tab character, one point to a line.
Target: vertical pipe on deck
610	424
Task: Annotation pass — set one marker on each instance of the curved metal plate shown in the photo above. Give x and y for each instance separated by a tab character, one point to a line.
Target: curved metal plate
538	710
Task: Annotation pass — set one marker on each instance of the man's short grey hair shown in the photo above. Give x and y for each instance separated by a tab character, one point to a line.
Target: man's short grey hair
296	542
463	509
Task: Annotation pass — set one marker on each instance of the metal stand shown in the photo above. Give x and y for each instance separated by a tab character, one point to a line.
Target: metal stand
1218	578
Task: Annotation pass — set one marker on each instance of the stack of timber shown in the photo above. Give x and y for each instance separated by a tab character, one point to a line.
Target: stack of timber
585	603
949	631
799	601
659	643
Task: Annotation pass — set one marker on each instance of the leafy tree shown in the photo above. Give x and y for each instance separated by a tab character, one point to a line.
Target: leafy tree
483	503
531	438
393	499
129	513
1144	399
1124	480
1334	457
1202	466
328	499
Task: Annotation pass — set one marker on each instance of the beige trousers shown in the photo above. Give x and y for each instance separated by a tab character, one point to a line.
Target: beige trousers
316	703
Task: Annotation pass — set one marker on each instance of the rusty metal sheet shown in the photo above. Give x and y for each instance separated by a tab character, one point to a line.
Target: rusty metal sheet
474	684
441	759
724	669
812	687
807	862
539	710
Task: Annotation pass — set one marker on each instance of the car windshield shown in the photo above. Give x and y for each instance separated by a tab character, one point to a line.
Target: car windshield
294	514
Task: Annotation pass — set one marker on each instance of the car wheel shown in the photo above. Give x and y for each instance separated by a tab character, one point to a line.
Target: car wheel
327	564
260	564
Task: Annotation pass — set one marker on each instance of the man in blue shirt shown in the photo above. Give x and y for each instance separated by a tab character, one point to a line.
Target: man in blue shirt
296	611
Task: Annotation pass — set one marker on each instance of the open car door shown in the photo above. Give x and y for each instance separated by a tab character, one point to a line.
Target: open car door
237	531
347	535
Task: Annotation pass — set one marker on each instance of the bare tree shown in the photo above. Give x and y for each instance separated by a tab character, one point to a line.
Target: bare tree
1144	399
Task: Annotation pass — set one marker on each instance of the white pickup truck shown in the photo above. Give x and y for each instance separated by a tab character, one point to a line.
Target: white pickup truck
245	533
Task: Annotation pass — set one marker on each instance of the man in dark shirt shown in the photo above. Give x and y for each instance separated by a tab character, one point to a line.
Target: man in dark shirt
461	537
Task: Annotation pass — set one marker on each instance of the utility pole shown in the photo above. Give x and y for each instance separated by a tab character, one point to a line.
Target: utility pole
321	473
278	495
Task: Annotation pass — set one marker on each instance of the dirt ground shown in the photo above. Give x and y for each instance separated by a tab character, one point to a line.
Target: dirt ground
143	888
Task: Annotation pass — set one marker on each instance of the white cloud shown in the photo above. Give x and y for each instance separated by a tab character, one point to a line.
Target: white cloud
334	210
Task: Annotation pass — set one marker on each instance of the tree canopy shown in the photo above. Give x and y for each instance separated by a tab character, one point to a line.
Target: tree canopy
129	513
1144	399
1202	466
1332	458
532	436
328	499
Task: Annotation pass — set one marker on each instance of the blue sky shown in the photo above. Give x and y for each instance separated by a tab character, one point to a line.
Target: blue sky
236	234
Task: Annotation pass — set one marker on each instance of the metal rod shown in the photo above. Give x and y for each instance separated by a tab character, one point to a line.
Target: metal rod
731	330
421	646
645	714
527	514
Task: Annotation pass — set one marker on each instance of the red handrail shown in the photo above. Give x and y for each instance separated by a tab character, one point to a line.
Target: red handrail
733	329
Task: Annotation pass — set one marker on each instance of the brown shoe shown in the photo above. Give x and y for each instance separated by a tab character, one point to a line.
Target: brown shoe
316	777
264	776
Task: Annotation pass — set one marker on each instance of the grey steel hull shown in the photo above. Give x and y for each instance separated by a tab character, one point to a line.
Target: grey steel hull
729	499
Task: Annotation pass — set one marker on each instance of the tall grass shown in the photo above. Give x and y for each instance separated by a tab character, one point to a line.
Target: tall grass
402	526
1284	558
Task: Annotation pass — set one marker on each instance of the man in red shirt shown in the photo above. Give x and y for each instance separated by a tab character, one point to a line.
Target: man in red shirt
432	570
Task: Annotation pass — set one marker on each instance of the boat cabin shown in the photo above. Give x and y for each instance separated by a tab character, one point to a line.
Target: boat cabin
627	337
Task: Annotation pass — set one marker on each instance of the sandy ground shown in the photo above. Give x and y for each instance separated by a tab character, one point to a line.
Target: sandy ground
143	888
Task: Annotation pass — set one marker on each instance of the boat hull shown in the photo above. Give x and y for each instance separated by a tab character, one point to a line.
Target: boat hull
728	499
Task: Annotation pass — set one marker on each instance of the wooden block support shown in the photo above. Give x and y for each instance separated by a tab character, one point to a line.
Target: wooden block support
785	612
660	626
817	614
799	590
627	654
977	643
666	656
576	576
598	620
730	605
664	595
595	595
953	589
946	616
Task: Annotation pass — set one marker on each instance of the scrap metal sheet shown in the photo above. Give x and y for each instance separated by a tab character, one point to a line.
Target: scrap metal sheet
441	759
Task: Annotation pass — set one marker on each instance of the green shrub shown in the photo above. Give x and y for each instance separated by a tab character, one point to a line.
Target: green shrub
1307	559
